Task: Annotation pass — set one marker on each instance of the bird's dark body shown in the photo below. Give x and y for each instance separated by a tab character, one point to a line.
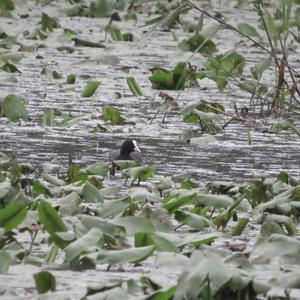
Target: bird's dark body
129	151
116	155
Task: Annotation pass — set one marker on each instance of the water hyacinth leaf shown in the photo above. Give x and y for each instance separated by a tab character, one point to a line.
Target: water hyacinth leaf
6	260
49	217
248	30
4	188
175	203
10	68
169	80
48	117
98	168
49	23
109	229
12	216
198	42
11	57
193	220
69	205
132	255
169	19
90	89
285	221
211	272
44	282
142	239
141	173
114	208
133	224
143	195
162	79
6	5
134	87
39	187
222	67
125	164
84	244
276	246
282	126
112	115
199	239
259	69
240	226
113	293
216	201
56	75
71	78
91	194
62	239
116	35
52	255
13	108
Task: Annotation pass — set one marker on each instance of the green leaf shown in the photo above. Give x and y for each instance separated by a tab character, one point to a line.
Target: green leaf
162	79
48	117
98	168
83	244
248	29
4	188
112	115
169	80
209	272
6	5
216	201
48	23
56	75
12	216
90	88
133	224
159	240
10	68
175	203
193	220
240	226
282	126
222	67
91	194
134	87
259	69
141	173
6	259
132	255
49	217
71	78
69	205
198	41
44	282
13	108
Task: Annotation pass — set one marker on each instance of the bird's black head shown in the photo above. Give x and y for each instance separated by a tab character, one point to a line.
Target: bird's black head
128	146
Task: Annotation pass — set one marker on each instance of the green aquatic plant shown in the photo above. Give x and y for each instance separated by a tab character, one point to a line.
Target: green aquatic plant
90	89
162	79
13	108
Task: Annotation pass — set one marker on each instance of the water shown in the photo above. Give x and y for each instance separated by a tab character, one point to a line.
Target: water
231	158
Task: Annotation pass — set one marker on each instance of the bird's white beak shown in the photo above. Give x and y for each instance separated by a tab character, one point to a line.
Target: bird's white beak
136	148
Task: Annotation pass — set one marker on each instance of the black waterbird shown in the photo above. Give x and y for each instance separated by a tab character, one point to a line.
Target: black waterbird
129	151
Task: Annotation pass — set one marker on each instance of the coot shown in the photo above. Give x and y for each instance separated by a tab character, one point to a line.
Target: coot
129	151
